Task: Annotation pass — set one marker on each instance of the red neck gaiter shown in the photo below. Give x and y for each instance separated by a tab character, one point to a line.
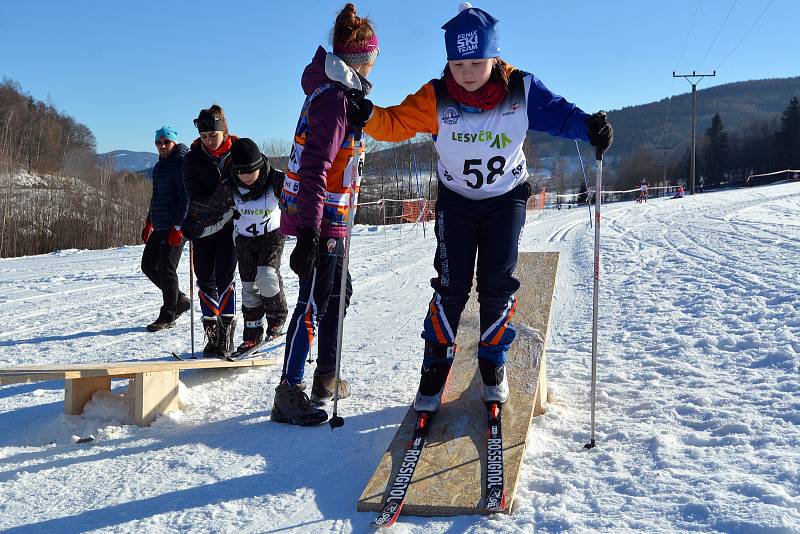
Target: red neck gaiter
222	148
487	97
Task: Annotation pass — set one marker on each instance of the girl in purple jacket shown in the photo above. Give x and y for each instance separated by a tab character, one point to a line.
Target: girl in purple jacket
315	203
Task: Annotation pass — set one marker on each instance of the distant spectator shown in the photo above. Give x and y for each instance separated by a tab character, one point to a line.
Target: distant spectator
679	193
642	192
583	195
162	230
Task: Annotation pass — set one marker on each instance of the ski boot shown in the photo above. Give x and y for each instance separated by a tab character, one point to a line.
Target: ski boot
227	327
293	406
275	312
434	376
274	330
253	329
323	385
495	381
211	328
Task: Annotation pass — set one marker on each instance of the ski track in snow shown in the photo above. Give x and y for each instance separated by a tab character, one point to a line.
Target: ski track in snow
698	408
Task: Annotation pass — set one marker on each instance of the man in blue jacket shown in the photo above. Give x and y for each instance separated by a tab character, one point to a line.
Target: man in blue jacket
162	230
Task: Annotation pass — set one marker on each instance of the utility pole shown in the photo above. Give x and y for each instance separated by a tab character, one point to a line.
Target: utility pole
694	116
665	148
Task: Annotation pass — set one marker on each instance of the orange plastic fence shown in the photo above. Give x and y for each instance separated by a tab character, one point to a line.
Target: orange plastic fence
413	207
537	201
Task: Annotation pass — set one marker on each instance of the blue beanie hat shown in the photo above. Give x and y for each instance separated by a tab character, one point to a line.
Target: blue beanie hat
167	132
472	34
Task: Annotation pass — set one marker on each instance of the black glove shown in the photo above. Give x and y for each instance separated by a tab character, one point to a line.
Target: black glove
601	134
305	255
277	176
359	108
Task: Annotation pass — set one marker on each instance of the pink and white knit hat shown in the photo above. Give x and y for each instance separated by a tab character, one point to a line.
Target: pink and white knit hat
358	52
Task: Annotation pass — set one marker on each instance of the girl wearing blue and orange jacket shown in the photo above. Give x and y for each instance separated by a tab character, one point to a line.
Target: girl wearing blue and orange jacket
478	112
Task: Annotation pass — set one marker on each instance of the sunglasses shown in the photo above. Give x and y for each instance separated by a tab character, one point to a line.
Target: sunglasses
165	142
209	124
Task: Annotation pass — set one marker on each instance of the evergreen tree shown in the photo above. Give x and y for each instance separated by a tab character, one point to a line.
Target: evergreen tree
789	136
715	153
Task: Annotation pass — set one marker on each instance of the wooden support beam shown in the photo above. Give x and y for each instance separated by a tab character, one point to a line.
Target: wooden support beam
79	391
153	394
154	383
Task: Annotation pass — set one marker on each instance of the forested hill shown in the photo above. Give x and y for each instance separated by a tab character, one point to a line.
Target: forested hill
739	104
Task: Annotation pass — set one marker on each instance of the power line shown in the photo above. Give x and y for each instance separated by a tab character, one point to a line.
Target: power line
746	34
717	35
688	33
680	57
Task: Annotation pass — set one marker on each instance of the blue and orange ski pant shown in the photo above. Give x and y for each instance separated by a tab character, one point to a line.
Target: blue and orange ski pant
215	267
317	309
483	233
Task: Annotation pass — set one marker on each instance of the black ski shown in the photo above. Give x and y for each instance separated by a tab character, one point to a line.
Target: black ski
255	349
242	354
495	476
402	480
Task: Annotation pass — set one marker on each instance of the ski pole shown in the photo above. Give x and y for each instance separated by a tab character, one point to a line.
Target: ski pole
585	182
191	292
337	421
595	311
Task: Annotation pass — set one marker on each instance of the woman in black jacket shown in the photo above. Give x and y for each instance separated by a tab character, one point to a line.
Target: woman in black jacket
210	226
162	231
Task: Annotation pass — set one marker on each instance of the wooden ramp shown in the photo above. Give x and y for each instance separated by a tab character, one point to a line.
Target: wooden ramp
449	477
154	386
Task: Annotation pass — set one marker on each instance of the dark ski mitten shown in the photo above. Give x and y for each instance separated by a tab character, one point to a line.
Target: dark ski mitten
359	108
305	255
601	134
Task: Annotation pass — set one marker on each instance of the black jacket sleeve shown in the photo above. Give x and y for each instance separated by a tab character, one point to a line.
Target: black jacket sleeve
191	182
183	201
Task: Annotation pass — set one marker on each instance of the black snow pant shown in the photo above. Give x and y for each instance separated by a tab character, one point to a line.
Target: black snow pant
485	232
317	306
214	266
260	273
160	265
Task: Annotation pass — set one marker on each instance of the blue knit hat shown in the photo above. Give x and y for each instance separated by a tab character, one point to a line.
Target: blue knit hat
167	132
472	34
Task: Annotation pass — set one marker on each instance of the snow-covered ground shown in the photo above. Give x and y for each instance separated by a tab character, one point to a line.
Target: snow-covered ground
698	406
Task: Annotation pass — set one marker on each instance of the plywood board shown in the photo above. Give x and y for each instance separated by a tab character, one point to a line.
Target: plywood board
448	479
38	373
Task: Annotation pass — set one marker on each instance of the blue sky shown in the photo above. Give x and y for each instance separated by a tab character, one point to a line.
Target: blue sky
126	68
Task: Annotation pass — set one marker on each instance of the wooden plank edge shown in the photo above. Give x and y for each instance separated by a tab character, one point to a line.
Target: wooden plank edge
540	397
29	376
118	370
